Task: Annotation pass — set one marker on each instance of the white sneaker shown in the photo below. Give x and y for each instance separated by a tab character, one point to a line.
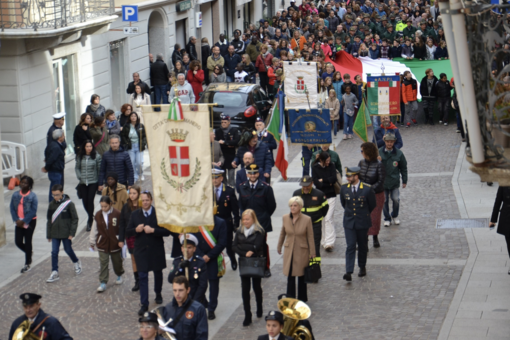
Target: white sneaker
440	122
143	178
101	288
387	223
53	277
26	268
396	221
77	267
119	280
445	124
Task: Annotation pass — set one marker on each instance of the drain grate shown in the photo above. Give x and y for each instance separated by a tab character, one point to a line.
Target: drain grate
462	223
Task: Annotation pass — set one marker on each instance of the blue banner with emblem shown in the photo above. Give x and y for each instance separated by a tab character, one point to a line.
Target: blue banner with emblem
309	126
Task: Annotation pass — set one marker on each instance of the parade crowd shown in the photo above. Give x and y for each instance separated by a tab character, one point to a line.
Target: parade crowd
109	149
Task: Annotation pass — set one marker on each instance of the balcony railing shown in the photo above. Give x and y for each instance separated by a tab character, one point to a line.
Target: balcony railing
35	14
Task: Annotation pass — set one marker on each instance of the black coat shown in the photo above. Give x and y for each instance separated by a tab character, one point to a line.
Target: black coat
502	211
255	243
197	272
261	200
149	248
125	216
443	89
159	73
126	141
176	56
118	162
228	148
49	136
372	173
228	208
220	234
54	156
223	48
52	327
206	52
268	138
80	136
420	52
192	51
354	88
261	154
131	87
280	337
424	89
328	176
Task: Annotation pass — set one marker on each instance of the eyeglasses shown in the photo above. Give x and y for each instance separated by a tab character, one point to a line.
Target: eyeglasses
146	327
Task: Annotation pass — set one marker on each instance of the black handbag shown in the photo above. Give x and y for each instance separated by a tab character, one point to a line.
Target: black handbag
252	266
78	191
313	272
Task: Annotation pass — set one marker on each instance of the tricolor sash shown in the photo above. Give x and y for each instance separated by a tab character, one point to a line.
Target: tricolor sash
59	210
211	241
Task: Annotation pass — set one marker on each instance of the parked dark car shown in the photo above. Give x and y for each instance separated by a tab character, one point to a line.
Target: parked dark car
242	102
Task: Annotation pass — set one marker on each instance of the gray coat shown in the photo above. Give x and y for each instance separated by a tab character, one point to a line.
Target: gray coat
218	154
221	78
87	169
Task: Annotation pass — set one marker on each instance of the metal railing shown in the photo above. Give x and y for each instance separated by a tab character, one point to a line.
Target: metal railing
14	159
35	14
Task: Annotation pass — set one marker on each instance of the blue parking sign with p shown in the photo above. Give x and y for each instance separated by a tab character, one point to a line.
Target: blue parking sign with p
129	13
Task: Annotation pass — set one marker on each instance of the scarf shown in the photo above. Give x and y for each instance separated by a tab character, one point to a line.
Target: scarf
94	107
215	59
249	231
225	131
265	54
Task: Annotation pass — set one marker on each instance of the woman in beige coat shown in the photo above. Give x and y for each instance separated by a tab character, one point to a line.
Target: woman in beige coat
297	237
333	104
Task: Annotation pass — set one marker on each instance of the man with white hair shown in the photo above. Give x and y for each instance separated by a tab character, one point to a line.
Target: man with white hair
183	90
159	79
54	156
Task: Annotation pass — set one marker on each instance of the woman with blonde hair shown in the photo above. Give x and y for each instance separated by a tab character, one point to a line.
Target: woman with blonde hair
249	68
297	40
249	241
299	247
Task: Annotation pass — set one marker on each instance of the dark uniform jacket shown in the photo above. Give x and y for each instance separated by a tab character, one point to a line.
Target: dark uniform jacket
280	337
220	234
266	137
149	248
54	155
53	328
228	207
358	206
49	136
502	197
192	325
228	149
242	177
261	200
315	204
197	273
261	154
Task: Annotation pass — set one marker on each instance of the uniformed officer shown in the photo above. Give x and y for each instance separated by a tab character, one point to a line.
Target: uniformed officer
197	269
274	326
307	150
58	123
228	137
149	327
43	325
266	137
189	319
358	200
316	206
259	196
210	245
228	210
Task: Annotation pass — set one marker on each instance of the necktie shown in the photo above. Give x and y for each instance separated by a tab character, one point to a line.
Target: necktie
253	187
354	189
146	214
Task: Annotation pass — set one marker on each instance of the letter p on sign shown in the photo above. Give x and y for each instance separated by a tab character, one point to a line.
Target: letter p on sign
129	13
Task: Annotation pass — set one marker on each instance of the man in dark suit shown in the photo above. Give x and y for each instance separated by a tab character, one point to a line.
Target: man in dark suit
358	200
241	175
40	322
274	326
149	249
266	137
210	245
258	195
228	137
228	210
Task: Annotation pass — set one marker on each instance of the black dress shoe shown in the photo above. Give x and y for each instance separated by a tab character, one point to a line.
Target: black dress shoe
233	263
362	272
159	299
247	320
376	242
348	277
142	310
89	226
267	273
211	315
259	313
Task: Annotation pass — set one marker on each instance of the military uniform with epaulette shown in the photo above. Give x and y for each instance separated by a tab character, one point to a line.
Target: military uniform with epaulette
358	202
197	274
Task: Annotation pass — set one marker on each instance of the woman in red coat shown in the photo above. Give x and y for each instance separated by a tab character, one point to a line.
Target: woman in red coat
196	78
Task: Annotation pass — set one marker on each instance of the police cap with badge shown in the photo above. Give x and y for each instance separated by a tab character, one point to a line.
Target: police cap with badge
28	299
148	317
276	316
217	171
305	181
190	239
252	169
58	116
351	171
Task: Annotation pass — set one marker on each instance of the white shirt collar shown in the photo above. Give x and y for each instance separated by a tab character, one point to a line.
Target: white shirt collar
355	186
147	211
255	184
32	320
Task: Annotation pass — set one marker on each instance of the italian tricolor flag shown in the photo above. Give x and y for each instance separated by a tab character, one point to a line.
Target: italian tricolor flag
384	96
276	127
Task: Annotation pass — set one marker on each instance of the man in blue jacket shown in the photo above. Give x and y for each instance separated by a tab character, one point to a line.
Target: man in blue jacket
231	61
54	157
116	160
260	150
387	127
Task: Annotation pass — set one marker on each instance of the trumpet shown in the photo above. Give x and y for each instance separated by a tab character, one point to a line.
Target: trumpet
293	311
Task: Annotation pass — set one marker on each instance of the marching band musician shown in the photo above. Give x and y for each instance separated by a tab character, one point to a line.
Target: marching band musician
40	323
274	325
149	327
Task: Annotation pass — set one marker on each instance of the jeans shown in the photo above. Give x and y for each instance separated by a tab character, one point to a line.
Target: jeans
135	156
306	157
160	94
23	240
143	281
55	178
394	194
246	282
348	122
55	248
335	126
88	194
229	79
444	108
376	122
353	237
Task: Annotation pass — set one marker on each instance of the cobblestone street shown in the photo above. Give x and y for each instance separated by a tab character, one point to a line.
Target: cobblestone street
410	284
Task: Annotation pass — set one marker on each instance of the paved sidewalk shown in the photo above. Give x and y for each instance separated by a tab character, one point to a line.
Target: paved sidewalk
481	304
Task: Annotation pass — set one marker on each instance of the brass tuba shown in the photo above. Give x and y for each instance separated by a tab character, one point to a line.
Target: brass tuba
293	311
23	332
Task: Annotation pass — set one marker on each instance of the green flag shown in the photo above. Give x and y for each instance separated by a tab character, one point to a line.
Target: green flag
362	122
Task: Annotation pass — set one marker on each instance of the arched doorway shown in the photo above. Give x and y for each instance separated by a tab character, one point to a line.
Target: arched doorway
157	36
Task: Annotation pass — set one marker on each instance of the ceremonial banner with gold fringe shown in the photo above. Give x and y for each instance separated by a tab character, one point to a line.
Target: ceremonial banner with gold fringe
300	79
180	155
